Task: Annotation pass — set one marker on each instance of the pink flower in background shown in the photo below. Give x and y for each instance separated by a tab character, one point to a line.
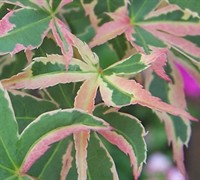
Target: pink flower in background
174	174
191	86
160	166
158	162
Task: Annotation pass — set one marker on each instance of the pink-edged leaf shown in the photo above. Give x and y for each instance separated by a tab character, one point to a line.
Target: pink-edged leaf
164	10
127	134
16	27
118	91
40	4
86	99
157	54
184	46
175	137
86	53
125	147
178	155
81	143
158	66
137	63
97	11
8	137
63	38
5	24
32	146
63	3
89	10
66	162
153	27
177	128
48	71
23	4
100	158
112	29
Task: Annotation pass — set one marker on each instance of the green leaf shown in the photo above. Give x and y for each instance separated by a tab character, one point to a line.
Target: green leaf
11	65
49	71
104	53
180	128
48	46
139	9
164	91
50	164
73	174
27	3
8	137
39	68
145	39
4	9
177	128
130	128
119	44
119	96
129	66
59	124
184	59
28	30
79	23
99	157
109	6
27	108
64	94
193	5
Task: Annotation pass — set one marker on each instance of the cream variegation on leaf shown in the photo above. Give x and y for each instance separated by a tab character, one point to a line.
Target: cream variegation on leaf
154	35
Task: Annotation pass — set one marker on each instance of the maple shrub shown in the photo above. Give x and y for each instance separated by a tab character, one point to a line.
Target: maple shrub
67	68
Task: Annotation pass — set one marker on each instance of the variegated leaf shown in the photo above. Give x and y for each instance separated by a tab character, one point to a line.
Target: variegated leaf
112	29
49	71
81	144
23	4
153	26
67	161
129	66
139	9
127	135
86	99
8	137
23	29
177	128
39	4
82	27
137	63
86	53
63	38
117	91
191	6
100	158
56	160
59	4
16	159
96	10
32	146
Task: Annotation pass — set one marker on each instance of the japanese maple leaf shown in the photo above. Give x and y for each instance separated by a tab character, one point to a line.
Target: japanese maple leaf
146	25
115	87
26	27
